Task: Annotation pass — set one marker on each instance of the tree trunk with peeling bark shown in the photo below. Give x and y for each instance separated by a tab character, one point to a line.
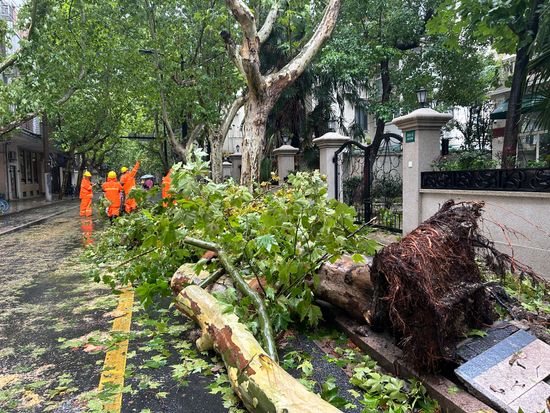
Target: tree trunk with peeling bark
261	384
254	127
263	91
216	156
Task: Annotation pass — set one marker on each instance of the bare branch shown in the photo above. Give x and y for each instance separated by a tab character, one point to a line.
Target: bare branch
71	91
244	17
269	22
233	50
12	59
249	52
289	73
193	136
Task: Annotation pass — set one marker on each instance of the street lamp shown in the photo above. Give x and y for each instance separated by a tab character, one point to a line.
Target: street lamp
422	96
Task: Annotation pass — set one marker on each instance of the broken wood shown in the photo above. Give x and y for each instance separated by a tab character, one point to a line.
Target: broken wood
261	384
346	285
244	288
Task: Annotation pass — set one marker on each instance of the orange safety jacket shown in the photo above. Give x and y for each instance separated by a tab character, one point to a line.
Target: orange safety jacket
166	182
86	189
112	190
129	179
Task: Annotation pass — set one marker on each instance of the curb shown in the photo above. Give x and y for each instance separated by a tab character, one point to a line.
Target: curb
63	201
36	221
452	398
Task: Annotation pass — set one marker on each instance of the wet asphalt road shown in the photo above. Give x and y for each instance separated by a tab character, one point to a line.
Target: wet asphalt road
51	313
54	325
47	298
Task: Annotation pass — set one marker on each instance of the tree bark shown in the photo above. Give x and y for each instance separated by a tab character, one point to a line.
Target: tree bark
254	127
81	170
261	384
380	122
216	156
521	69
346	285
66	175
264	91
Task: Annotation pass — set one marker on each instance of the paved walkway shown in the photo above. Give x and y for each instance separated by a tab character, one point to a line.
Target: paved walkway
32	203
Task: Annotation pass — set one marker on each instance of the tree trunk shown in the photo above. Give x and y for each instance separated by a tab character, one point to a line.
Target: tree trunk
511	129
380	122
521	69
216	156
261	384
80	173
254	127
346	285
67	175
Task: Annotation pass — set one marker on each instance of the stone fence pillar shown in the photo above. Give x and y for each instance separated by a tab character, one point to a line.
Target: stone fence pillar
285	160
236	160
421	146
328	144
226	170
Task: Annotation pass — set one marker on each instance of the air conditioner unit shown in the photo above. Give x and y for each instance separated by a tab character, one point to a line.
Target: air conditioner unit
12	156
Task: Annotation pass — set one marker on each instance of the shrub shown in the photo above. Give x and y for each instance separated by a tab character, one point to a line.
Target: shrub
466	160
280	236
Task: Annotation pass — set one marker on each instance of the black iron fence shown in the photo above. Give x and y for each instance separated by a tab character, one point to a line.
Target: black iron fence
521	180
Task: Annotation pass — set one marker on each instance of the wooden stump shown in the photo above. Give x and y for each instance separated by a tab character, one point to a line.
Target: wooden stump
346	285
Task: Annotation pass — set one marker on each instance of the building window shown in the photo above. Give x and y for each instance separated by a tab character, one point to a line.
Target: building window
22	168
361	118
29	167
35	166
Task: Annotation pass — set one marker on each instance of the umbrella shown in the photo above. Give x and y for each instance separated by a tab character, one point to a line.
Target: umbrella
149	176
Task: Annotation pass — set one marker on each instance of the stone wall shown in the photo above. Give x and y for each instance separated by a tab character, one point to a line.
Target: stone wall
518	222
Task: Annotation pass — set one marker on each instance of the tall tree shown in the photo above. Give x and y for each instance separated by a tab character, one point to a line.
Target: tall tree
510	27
264	89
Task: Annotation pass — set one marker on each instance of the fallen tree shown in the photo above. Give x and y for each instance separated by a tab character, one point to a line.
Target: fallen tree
261	384
428	289
347	285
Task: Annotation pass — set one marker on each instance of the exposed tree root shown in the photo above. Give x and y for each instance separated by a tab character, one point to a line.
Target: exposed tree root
428	288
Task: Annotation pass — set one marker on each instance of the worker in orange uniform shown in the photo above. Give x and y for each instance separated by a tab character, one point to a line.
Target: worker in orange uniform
128	181
112	189
166	182
123	178
86	195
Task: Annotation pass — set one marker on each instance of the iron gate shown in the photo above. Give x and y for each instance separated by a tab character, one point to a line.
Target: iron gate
372	184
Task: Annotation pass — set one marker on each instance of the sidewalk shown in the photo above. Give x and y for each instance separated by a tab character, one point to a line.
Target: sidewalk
34	214
33	203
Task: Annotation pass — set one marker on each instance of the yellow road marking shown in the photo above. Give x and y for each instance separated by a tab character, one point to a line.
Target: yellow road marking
114	365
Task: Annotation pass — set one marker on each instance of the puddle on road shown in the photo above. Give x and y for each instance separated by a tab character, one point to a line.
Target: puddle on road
87	228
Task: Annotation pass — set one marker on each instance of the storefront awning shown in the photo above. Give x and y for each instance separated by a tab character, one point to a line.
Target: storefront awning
528	105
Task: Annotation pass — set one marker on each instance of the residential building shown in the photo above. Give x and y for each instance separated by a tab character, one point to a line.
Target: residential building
27	159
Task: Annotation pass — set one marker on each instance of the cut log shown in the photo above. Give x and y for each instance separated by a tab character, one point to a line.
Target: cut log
347	285
261	384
